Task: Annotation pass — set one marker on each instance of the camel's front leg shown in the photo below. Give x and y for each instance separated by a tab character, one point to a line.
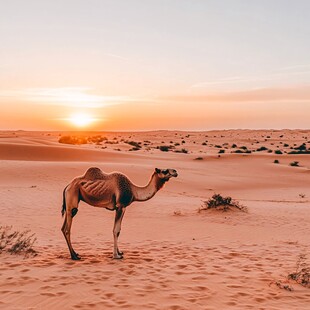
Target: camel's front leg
117	254
66	229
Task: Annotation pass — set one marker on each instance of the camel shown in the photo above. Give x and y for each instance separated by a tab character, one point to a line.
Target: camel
113	192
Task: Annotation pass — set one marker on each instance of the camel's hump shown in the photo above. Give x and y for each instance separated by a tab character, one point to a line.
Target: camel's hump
94	173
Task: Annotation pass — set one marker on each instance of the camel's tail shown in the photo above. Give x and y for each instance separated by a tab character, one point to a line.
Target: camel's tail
63	211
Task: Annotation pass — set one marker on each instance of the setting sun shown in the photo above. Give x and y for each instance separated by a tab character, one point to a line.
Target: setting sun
81	119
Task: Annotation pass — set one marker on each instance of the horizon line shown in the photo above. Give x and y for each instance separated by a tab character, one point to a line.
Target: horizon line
155	130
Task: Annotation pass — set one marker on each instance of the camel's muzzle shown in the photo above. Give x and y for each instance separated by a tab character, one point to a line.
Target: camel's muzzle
175	174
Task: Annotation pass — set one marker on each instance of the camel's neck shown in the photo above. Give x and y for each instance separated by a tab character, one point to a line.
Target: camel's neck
148	191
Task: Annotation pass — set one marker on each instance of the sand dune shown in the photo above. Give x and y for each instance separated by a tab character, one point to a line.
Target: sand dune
173	260
53	153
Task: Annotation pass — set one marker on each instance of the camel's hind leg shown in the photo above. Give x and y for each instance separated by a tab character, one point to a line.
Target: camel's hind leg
117	254
71	211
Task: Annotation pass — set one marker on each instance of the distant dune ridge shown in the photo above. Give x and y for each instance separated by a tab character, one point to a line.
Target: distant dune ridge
175	257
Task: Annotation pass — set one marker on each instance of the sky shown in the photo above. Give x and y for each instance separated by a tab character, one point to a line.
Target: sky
154	64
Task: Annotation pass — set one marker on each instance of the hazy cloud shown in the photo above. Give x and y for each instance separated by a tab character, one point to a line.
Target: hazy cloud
279	75
293	94
64	96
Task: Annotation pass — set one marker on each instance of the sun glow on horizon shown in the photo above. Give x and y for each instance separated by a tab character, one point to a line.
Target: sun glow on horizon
81	119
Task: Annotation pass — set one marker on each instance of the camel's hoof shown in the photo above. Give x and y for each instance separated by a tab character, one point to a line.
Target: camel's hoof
120	253
118	257
75	256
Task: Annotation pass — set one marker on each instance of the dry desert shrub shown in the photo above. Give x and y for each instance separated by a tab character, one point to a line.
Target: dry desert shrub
164	148
77	140
301	275
17	242
281	285
134	144
242	151
185	151
302	272
294	164
262	148
97	139
218	202
72	140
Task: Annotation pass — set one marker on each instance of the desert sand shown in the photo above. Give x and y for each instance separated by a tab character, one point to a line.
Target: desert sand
174	256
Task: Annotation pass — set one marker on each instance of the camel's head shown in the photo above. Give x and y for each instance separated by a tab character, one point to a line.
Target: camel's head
166	174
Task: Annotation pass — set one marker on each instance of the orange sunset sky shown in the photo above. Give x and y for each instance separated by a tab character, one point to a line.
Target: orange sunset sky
143	65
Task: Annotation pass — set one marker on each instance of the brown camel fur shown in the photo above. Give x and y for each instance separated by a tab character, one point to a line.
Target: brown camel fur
113	191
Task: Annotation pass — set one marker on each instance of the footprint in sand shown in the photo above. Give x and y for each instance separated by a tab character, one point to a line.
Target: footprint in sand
48	294
235	286
198	278
46	287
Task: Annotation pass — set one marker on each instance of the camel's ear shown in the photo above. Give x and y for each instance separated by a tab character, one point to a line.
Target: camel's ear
157	170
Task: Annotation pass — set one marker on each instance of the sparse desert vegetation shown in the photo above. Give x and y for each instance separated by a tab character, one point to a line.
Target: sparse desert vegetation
76	140
302	272
185	151
219	202
17	242
216	144
301	275
164	148
79	139
135	144
294	164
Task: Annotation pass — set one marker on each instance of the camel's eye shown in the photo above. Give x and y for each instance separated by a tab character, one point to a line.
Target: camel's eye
165	171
